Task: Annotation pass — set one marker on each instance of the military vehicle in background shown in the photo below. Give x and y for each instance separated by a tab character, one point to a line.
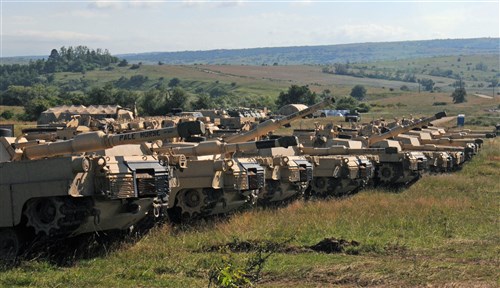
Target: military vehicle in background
287	175
352	117
62	114
338	170
61	189
392	169
441	158
219	181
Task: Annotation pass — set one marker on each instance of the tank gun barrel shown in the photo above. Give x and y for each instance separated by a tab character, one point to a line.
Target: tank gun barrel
403	129
343	150
273	124
433	147
95	141
217	147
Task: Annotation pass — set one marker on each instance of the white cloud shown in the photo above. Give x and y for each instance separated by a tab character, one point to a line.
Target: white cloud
106	4
19	20
144	5
35	35
371	32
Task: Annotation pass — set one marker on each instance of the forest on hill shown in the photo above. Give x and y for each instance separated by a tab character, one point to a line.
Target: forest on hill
327	54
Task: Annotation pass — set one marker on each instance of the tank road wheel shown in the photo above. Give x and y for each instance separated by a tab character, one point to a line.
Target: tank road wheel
386	173
10	244
191	202
43	214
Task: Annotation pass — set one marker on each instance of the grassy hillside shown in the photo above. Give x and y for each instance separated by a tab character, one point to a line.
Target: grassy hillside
266	82
358	52
441	231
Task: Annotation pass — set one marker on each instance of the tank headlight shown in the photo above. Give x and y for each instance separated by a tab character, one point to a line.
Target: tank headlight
101	161
286	160
81	165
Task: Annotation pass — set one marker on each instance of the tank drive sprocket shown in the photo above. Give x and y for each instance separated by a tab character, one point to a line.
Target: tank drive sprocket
191	201
386	173
319	186
43	214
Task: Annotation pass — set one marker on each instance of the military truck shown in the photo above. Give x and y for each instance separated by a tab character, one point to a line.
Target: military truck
61	189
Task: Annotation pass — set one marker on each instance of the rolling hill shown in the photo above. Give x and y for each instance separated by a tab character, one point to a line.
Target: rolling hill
358	52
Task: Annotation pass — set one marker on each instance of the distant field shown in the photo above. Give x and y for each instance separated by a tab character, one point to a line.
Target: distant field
268	81
263	84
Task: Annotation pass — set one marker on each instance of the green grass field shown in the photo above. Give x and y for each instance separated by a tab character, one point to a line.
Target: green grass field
442	231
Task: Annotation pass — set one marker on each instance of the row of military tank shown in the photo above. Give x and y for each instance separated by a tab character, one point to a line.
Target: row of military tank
97	181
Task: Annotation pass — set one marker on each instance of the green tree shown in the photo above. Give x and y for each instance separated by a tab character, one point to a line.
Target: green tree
296	95
494	84
7	114
341	69
358	92
177	99
346	103
123	63
203	102
459	95
102	96
153	103
174	82
36	107
427	84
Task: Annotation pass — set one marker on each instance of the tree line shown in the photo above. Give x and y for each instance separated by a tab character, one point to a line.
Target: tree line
70	59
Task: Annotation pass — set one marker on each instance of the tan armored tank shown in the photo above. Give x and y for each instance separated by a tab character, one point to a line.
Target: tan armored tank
393	169
441	158
404	167
289	174
61	189
218	181
339	170
471	146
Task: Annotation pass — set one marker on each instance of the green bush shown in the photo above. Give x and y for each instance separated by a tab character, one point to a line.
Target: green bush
7	114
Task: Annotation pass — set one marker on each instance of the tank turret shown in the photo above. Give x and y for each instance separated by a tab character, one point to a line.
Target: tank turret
273	124
95	141
403	129
343	150
217	147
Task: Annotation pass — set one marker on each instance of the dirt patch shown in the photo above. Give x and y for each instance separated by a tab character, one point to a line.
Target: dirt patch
333	245
494	158
327	245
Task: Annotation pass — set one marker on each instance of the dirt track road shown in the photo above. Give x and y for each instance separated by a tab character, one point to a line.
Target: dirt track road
483	96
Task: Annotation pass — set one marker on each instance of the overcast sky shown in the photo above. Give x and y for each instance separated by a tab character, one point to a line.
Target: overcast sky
35	27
